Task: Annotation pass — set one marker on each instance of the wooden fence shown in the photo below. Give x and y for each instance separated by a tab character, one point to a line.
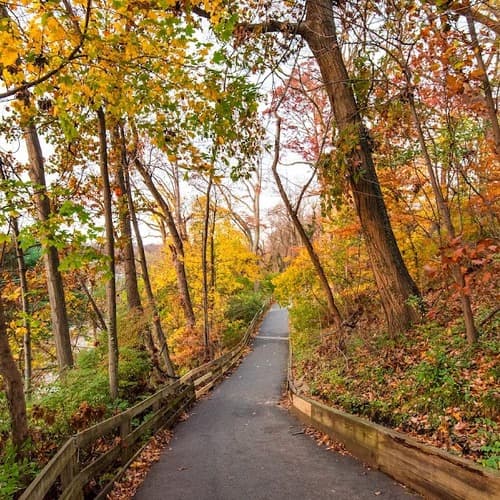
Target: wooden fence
113	443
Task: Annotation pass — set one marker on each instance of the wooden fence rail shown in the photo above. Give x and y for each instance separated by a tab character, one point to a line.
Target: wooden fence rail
78	462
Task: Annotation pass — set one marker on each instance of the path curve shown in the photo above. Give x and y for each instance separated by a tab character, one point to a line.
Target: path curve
240	444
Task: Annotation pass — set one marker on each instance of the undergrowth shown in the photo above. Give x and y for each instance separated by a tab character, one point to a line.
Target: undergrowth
429	383
66	406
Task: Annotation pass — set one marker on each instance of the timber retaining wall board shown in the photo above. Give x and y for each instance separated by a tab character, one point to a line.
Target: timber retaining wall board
430	471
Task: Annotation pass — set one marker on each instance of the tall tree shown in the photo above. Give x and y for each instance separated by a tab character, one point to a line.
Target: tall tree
177	245
23	281
110	254
125	243
333	311
394	283
13	387
157	327
55	287
204	268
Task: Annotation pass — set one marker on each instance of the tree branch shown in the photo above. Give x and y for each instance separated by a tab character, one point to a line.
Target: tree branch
73	55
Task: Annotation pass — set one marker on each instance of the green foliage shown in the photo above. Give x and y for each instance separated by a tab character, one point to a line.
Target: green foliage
491	448
134	370
240	312
492	454
244	306
88	383
14	473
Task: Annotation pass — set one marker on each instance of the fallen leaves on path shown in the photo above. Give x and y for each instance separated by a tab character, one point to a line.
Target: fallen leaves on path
126	488
325	440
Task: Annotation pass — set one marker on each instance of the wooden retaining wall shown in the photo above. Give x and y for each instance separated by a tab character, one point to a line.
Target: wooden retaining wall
430	471
79	461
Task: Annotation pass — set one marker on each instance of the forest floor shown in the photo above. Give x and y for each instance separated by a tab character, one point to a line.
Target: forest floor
428	383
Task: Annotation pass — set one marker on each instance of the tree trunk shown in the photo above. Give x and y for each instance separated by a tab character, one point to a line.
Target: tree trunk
55	287
180	220
204	270
157	328
98	314
393	280
445	216
488	95
125	243
21	267
125	240
13	388
177	248
110	254
333	312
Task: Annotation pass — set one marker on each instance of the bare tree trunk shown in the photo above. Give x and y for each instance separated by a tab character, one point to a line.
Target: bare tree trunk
98	314
125	243
55	287
110	254
204	270
490	103
21	267
157	328
333	311
181	223
13	388
177	248
213	270
393	280
445	215
257	189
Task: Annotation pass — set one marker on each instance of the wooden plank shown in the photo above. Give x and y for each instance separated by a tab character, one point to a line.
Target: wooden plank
49	474
438	475
89	472
163	393
199	381
145	404
68	475
430	471
145	426
89	435
206	388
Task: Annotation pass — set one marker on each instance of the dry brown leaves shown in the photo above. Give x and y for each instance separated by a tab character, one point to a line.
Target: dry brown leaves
325	440
126	488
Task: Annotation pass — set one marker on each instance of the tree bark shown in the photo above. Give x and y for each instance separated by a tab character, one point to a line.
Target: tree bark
333	311
204	269
55	287
393	280
488	95
125	243
444	215
98	314
176	248
110	254
13	388
157	328
21	267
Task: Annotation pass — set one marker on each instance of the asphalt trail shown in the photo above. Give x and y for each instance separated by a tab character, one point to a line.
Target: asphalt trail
240	444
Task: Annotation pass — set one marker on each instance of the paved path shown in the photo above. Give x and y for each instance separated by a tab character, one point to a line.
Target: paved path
239	444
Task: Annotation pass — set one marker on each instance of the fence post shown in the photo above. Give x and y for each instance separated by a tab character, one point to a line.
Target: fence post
125	428
70	471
